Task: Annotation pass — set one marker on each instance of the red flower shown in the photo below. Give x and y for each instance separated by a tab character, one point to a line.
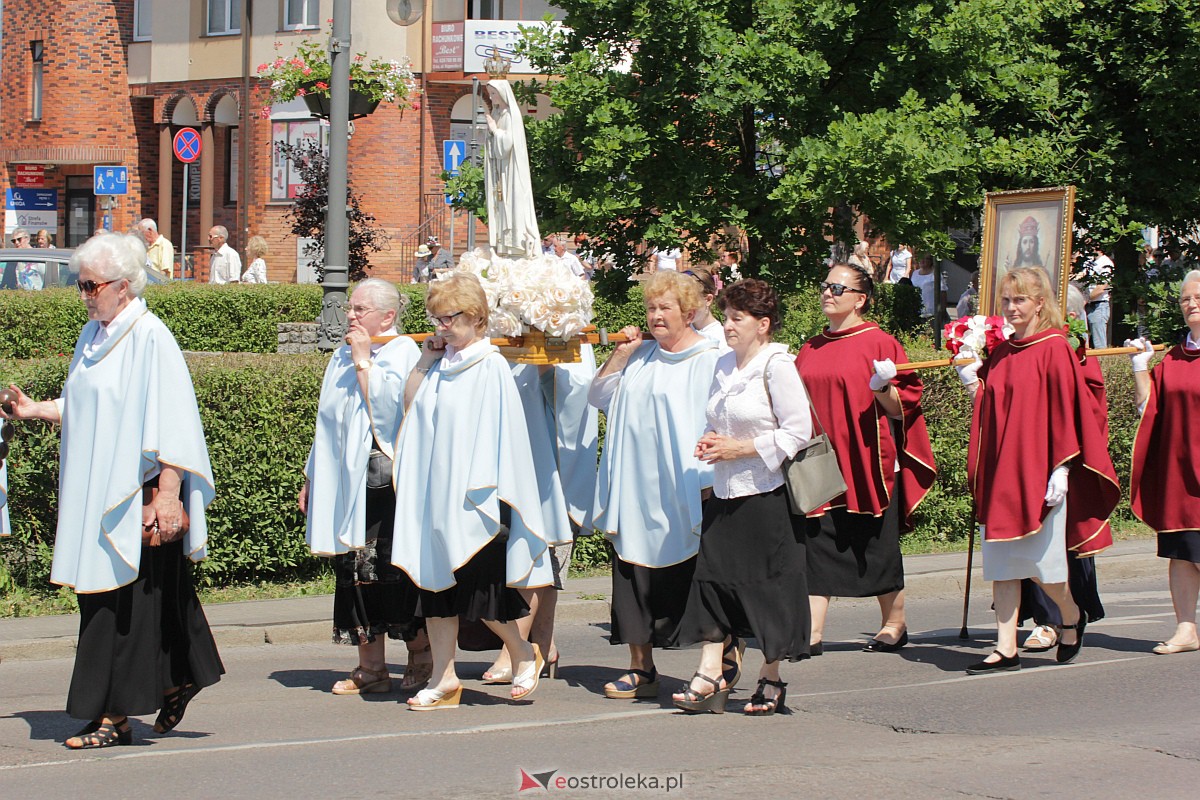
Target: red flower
321	85
994	332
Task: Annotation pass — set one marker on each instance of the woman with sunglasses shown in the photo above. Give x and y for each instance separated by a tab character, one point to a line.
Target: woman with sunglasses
348	500
1163	487
651	485
874	420
135	481
469	527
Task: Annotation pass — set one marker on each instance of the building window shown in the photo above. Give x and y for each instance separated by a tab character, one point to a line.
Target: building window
527	10
36	53
141	20
224	16
301	14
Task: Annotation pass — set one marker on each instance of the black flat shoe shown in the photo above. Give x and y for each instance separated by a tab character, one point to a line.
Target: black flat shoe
174	704
877	646
1005	664
816	649
1067	652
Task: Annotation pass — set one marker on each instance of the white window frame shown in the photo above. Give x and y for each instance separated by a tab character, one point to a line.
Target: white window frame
232	26
308	8
143	13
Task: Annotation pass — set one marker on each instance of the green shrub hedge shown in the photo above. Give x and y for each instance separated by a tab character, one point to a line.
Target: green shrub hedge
259	410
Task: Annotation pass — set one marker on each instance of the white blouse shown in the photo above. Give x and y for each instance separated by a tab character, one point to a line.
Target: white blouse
738	407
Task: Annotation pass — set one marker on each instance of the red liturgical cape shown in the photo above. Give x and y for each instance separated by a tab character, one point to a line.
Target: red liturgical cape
1165	485
836	368
1035	411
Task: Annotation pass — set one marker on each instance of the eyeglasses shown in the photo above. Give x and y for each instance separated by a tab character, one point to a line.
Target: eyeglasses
91	288
444	321
358	310
1184	302
837	289
18	239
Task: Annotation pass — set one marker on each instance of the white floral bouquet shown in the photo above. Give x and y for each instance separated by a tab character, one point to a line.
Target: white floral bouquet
539	292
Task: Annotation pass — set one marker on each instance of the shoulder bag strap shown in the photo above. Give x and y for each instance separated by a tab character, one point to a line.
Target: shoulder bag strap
766	368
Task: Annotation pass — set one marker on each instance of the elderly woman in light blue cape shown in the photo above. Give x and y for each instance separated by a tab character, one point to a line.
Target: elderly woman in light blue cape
348	497
470	529
134	483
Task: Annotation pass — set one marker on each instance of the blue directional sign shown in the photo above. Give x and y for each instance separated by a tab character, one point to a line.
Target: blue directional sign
31	199
454	151
110	180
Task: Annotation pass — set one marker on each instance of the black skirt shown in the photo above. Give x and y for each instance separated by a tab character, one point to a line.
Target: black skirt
1184	545
750	578
140	640
1085	591
648	602
373	597
855	555
480	591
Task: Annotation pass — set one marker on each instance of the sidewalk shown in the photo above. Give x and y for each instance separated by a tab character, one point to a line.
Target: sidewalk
302	620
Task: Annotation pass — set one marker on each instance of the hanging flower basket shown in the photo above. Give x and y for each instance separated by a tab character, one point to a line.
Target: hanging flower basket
319	103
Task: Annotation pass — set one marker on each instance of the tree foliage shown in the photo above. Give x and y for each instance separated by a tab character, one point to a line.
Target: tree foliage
307	216
785	118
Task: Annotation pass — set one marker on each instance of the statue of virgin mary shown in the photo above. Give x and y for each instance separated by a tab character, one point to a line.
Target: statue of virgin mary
512	224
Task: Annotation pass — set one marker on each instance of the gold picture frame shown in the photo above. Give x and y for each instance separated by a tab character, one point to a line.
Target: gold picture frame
1026	227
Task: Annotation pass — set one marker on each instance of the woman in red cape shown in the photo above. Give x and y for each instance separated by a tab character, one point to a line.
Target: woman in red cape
873	417
1038	464
1165	485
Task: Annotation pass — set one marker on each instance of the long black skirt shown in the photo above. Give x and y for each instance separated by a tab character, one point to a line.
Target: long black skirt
855	555
140	640
373	597
750	578
1085	591
1184	545
648	602
480	591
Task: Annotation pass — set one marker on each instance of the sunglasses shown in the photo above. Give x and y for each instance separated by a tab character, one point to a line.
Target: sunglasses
837	289
91	288
445	321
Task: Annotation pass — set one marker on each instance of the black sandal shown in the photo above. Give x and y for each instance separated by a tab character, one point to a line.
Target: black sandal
731	661
695	703
174	704
101	734
759	698
1067	652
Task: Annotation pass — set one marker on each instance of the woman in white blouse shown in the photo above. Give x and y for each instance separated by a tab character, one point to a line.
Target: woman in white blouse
751	573
256	251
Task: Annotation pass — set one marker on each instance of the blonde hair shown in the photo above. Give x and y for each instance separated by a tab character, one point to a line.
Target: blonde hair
1034	283
685	288
257	247
461	291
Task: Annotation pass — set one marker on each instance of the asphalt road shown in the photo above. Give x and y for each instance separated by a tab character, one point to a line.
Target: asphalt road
1119	723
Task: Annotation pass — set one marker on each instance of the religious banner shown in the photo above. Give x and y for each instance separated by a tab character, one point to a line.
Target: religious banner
1026	228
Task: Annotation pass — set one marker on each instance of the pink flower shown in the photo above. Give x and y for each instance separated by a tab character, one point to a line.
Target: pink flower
297	62
322	85
263	67
306	71
300	92
279	62
416	106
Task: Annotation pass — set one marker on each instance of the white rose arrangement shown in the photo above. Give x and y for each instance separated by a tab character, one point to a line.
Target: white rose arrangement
539	292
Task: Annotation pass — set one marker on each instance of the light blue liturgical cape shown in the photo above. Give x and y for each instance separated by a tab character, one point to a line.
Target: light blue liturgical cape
648	491
128	405
463	448
563	431
346	422
5	527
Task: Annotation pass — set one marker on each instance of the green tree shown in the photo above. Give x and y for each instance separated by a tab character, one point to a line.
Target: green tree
784	118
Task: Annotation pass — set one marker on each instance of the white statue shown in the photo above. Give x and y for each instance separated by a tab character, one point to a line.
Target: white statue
512	224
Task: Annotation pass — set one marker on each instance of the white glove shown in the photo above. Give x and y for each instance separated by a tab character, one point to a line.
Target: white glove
885	371
1056	489
1141	361
968	373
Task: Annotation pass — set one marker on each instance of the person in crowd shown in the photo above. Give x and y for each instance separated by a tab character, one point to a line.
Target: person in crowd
1038	465
861	257
730	262
134	483
567	257
160	253
348	499
923	278
874	420
469	526
898	261
651	484
1081	572
440	260
421	270
257	251
44	239
705	323
968	301
225	266
31	275
750	572
1166	468
1099	272
672	258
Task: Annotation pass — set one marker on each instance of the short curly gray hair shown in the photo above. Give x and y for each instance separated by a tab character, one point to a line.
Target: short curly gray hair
115	256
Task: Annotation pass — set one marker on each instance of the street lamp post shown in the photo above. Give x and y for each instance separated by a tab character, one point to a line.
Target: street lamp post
332	328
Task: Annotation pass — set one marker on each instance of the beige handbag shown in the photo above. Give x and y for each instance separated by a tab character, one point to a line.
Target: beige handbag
813	477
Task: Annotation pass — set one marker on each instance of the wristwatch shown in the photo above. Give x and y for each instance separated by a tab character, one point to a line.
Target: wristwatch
361	365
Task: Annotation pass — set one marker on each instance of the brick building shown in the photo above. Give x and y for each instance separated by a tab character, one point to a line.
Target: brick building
97	83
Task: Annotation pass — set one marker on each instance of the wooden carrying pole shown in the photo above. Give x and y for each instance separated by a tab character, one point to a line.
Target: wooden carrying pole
589	335
950	362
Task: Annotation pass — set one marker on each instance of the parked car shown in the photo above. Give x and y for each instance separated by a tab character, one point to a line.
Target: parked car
57	270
